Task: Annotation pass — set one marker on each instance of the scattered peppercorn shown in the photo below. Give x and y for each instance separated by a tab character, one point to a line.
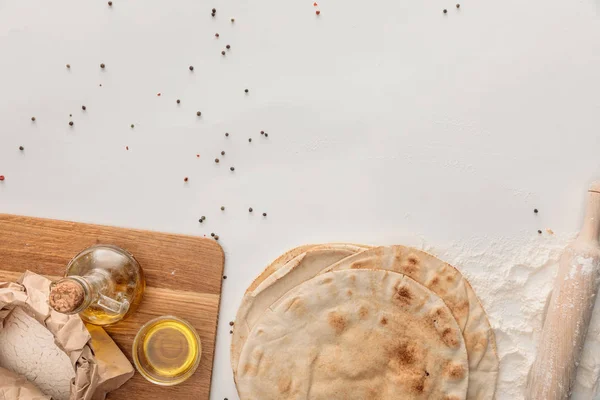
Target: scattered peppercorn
102	66
198	113
110	3
223	52
222	208
539	231
201	220
445	11
535	210
21	148
212	234
33	119
262	132
178	101
246	90
231	332
68	65
223	153
264	214
232	168
318	12
71	123
249	139
216	237
1	178
198	155
226	133
83	108
266	135
250	209
457	5
126	147
158	94
70	115
213	14
191	67
217	160
217	35
230	323
228	47
185	179
214	10
132	126
232	20
224	276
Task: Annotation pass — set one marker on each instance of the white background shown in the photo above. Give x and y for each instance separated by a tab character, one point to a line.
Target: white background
388	121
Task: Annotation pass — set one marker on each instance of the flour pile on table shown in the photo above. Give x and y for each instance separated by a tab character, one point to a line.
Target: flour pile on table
513	279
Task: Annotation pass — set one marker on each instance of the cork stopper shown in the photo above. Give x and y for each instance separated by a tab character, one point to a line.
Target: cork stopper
66	296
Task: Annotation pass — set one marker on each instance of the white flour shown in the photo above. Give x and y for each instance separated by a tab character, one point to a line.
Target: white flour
513	279
27	348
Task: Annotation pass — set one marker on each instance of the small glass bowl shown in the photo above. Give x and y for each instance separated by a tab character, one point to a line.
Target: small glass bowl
167	350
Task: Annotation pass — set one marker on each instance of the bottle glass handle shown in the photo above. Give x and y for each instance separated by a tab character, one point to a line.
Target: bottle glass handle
111	305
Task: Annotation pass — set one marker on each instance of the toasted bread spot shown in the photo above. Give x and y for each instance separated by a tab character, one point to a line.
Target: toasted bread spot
413	259
326	280
403	295
454	371
418	385
337	322
449	337
450	278
357	265
434	282
284	384
383	321
363	312
349	292
404	354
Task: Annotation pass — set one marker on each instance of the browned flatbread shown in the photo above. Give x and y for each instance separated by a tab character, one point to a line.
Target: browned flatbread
355	335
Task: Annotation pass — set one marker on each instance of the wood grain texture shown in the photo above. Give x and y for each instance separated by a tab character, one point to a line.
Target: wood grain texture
183	277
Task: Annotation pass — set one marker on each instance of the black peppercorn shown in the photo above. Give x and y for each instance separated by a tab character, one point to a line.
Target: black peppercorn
457	5
232	168
132	126
224	276
83	108
198	113
226	134
201	220
71	123
102	66
178	101
214	10
68	65
539	231
191	67
445	11
217	160
70	115
250	209
222	208
246	90
262	132
231	332
264	214
212	234
249	139
228	47
232	20
266	135
213	14
21	148
223	52
33	119
230	323
223	153
217	35
216	237
535	210
110	3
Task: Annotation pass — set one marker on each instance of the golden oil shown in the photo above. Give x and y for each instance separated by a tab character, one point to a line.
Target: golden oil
167	350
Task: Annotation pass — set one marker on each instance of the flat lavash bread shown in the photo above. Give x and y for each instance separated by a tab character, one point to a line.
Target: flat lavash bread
355	334
445	281
296	265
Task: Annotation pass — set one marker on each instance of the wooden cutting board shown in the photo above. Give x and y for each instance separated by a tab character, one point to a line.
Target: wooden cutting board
183	277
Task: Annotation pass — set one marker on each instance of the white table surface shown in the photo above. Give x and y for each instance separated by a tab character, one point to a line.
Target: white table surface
389	122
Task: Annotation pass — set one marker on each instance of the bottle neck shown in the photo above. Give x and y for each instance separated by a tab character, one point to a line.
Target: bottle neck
73	294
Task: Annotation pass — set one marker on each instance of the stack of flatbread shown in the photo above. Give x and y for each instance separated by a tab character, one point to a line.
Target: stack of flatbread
342	321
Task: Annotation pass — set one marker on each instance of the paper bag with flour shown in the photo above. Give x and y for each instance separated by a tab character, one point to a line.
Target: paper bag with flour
48	355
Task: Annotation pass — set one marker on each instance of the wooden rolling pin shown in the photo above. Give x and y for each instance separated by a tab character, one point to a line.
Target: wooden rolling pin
568	316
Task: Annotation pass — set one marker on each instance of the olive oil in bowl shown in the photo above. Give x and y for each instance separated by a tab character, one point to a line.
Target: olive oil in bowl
167	350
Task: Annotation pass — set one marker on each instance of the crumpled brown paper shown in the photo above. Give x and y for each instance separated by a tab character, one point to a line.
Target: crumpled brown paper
98	363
